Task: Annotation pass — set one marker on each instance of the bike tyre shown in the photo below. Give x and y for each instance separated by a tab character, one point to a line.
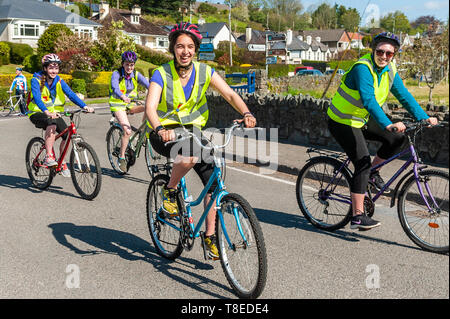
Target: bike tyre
112	133
230	256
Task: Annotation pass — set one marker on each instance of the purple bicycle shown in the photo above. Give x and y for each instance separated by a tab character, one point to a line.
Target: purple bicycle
323	194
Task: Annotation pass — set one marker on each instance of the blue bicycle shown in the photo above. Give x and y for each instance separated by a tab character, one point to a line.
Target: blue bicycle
240	239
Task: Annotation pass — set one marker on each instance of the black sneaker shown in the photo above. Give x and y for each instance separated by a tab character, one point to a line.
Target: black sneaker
377	181
363	222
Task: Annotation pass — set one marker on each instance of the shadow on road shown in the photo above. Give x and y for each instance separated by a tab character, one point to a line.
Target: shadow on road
17	182
112	173
296	221
131	247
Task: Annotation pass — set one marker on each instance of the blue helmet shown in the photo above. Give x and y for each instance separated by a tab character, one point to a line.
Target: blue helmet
129	56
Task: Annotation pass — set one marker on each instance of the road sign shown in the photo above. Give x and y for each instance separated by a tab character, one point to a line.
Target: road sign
276	52
276	37
209	56
257	47
206	47
271	60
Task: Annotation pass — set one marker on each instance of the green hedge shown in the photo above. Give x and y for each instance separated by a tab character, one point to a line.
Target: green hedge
279	70
87	76
78	86
344	65
4	96
32	63
4	53
152	56
18	52
97	90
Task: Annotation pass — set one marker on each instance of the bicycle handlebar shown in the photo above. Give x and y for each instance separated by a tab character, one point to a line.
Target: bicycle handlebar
412	126
186	135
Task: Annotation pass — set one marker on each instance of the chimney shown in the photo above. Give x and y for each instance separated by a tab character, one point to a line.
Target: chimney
318	39
248	34
103	10
300	37
308	39
288	37
136	10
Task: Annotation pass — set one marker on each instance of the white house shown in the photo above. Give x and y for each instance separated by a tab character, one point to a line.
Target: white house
24	21
142	31
300	49
215	33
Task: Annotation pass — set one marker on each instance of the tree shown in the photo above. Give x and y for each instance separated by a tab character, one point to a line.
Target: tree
73	50
324	17
395	22
428	58
350	20
47	41
109	46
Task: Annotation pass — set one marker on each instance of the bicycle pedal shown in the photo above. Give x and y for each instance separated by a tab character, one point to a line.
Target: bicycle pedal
205	253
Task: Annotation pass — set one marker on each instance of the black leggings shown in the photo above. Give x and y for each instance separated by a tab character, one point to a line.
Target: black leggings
353	141
204	167
41	120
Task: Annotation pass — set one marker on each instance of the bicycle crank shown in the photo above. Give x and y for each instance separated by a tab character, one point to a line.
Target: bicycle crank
187	235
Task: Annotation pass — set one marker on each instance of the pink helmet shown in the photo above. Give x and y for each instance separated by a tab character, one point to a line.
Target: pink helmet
50	58
185	27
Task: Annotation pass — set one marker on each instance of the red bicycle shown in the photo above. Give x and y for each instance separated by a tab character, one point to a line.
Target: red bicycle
84	165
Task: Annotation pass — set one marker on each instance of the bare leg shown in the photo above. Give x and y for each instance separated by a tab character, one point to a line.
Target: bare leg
357	203
50	134
210	218
181	166
122	118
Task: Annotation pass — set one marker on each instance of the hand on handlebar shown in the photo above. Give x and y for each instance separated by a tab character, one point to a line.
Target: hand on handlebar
167	135
52	115
89	109
126	99
396	127
249	121
432	121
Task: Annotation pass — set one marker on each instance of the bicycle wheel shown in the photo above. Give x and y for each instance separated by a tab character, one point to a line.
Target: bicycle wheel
85	170
41	176
165	236
245	260
321	195
428	229
153	160
113	142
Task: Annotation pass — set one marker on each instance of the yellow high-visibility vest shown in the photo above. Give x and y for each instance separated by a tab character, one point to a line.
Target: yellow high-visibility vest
56	106
116	103
173	108
346	106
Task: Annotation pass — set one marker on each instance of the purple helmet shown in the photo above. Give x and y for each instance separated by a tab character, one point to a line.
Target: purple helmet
386	37
129	56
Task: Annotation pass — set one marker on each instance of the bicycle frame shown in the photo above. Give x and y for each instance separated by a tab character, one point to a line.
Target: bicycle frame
71	130
142	130
416	169
11	105
216	197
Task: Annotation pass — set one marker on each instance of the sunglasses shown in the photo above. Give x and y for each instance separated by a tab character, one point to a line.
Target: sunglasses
389	54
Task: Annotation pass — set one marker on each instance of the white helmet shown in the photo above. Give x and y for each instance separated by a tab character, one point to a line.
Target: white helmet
50	58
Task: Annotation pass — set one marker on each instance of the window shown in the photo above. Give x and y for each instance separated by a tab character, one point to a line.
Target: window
84	32
162	42
26	30
134	19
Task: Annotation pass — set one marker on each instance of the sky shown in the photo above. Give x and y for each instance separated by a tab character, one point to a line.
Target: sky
411	8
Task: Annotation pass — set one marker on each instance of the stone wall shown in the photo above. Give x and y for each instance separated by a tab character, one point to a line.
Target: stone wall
303	120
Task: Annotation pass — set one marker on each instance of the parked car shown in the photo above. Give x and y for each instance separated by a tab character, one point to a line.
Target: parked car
339	71
303	68
309	72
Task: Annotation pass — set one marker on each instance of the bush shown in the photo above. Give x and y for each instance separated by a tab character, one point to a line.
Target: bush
3	95
103	77
152	56
78	86
19	51
97	90
4	53
32	63
47	41
87	76
206	8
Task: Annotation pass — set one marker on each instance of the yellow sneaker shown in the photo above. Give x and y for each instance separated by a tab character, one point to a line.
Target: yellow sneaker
170	201
210	242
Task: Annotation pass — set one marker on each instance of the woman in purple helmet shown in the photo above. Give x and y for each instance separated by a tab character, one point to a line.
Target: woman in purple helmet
122	91
356	114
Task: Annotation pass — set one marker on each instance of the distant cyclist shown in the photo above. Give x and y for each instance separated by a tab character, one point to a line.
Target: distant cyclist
20	83
123	89
356	114
181	85
48	92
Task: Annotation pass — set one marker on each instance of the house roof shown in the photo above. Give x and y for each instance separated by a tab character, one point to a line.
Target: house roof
143	27
332	35
258	37
211	29
37	10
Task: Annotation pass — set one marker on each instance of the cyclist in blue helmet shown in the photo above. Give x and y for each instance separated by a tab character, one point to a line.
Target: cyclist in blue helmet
356	114
123	90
